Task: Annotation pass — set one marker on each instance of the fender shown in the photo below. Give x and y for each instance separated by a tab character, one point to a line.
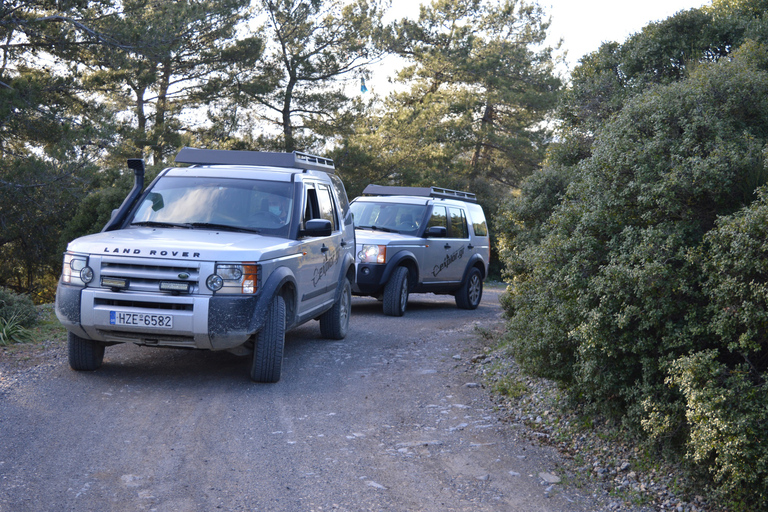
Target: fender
346	264
395	262
473	260
276	281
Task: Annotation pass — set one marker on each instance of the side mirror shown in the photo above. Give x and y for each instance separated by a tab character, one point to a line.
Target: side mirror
437	232
317	227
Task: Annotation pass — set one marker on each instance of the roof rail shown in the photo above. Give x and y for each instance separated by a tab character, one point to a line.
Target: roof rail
443	193
294	160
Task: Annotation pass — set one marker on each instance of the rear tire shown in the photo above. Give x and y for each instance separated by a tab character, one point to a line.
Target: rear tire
270	341
84	355
471	292
334	323
396	293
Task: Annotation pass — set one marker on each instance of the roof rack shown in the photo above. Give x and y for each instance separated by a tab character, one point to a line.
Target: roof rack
294	160
443	193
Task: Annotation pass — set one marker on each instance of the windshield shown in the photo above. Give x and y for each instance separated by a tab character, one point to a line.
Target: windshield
217	203
401	218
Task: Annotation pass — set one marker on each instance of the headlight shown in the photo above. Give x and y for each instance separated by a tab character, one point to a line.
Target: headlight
236	278
76	270
373	254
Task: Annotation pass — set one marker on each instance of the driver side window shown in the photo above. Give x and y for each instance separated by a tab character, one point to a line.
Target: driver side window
438	218
319	205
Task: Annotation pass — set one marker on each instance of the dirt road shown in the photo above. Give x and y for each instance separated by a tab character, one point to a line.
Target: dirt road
390	419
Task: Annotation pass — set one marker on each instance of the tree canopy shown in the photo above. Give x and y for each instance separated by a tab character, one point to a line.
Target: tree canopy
479	88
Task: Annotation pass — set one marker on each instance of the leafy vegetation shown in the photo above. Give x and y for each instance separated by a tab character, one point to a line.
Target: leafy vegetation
17	314
635	256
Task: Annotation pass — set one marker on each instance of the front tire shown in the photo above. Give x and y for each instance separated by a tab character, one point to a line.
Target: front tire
396	293
471	292
334	323
270	341
84	355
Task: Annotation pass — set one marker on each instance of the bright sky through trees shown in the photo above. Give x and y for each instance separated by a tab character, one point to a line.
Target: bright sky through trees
582	24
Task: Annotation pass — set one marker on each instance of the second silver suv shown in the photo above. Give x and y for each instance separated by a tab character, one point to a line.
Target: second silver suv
412	239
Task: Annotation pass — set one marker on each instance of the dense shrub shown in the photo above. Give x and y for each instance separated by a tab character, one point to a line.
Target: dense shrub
633	289
20	307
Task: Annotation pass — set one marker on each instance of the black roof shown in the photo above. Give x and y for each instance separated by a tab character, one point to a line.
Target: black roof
294	160
437	192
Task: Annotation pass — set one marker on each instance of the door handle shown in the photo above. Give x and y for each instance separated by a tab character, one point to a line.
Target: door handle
324	248
470	246
447	246
343	243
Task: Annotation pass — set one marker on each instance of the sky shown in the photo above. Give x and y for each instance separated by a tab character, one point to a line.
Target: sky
585	24
582	24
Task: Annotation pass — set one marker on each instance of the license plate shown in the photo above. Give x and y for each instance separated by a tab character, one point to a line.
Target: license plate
141	320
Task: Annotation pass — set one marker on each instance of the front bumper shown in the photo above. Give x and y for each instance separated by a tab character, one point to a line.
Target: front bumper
202	322
370	279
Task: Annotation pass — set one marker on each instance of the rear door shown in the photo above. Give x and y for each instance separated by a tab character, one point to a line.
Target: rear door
434	252
455	253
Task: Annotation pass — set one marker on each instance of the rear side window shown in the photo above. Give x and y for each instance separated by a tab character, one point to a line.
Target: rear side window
479	226
459	227
341	194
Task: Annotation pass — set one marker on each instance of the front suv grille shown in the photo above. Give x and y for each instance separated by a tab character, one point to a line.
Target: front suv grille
147	278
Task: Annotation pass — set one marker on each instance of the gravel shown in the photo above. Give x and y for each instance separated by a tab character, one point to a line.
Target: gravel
596	456
533	408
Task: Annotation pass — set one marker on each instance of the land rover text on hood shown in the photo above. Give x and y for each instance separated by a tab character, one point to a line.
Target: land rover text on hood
226	253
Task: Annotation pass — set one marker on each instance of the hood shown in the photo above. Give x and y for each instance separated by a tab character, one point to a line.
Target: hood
186	244
368	236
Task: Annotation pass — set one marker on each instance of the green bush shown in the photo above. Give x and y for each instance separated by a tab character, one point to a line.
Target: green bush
16	307
727	413
644	286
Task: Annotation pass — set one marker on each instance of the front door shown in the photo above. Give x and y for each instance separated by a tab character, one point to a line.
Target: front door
321	262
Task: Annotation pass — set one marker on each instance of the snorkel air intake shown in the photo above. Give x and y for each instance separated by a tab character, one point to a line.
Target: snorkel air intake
118	215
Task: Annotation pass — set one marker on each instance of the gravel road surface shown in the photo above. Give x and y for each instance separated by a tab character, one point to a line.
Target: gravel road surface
393	418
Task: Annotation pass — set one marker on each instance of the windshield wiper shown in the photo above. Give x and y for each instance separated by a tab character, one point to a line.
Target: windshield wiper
226	227
378	228
153	224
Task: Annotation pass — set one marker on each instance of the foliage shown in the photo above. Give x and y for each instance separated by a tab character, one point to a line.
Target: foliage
477	95
17	307
295	96
170	52
11	331
630	282
727	410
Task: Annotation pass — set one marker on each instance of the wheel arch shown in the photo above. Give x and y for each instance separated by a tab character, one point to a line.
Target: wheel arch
476	261
281	282
404	259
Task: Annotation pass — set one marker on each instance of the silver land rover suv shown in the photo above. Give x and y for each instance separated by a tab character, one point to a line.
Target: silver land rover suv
224	254
412	239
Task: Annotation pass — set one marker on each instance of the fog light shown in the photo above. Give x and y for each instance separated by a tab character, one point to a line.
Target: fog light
115	283
214	282
86	275
174	286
